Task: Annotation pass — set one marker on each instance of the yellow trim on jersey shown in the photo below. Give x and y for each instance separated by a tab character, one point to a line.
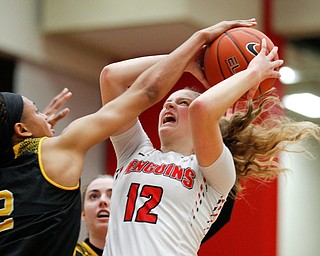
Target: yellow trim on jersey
84	249
44	173
16	149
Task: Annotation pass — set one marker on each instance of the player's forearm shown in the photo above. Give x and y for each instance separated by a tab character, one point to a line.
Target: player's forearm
162	76
218	99
118	77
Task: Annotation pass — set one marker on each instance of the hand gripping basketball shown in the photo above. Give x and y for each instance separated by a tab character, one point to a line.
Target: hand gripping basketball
232	52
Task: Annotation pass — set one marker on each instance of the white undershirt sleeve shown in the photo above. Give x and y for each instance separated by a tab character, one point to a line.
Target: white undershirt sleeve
221	175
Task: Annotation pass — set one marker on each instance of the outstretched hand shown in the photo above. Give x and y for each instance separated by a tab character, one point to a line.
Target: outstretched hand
52	110
265	65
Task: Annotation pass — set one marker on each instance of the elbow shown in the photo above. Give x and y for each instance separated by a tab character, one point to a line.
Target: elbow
106	84
112	83
203	109
105	76
199	110
112	75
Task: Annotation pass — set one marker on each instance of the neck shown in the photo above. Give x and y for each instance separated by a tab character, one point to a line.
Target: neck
98	241
181	149
180	145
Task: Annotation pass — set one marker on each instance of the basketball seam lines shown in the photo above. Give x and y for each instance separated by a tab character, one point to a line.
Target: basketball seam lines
218	59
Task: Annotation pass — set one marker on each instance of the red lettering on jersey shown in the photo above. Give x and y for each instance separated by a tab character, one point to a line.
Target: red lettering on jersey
169	169
149	167
131	166
160	169
188	179
185	176
177	173
139	166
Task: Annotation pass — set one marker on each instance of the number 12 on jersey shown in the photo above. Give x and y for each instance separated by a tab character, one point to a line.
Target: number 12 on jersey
143	213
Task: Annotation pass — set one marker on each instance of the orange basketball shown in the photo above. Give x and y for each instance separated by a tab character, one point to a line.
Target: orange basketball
232	52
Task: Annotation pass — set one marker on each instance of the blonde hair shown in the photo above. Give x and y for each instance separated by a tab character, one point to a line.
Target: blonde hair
257	135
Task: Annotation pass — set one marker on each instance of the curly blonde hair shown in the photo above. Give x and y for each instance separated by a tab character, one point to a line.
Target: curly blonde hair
258	134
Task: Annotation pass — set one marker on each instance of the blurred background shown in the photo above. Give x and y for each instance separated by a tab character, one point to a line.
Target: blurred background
46	45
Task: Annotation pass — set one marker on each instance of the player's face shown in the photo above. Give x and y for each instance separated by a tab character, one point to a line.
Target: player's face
34	121
173	119
96	208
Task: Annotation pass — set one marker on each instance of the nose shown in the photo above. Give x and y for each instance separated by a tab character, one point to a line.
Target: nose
104	200
169	105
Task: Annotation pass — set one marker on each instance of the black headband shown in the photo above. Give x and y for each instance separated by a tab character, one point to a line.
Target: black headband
11	107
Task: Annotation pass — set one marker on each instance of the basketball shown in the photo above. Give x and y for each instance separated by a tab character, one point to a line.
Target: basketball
232	52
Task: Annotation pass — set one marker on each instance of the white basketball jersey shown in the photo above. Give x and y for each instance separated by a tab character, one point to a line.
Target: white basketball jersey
161	202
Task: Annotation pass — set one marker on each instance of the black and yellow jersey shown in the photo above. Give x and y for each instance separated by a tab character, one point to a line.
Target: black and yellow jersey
85	248
37	216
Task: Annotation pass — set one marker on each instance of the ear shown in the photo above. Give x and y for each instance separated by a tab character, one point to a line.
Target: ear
83	216
21	130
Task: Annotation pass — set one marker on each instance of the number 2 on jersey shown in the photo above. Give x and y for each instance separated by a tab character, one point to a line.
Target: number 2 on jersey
5	210
143	213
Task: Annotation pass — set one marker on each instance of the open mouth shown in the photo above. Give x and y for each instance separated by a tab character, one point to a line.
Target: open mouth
168	118
103	214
